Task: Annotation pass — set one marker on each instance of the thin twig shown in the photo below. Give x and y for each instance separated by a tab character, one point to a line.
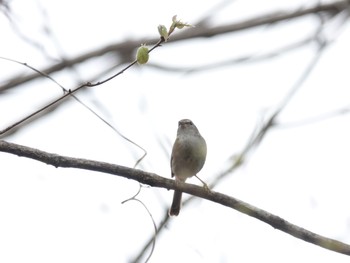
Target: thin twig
127	47
71	92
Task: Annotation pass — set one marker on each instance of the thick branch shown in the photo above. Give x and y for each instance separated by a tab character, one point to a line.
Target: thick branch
158	181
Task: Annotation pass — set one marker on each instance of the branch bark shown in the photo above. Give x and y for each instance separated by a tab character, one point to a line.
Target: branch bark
158	181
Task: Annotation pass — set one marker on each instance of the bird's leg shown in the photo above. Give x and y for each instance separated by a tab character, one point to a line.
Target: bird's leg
206	187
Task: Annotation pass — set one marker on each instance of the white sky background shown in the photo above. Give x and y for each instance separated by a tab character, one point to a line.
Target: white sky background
300	173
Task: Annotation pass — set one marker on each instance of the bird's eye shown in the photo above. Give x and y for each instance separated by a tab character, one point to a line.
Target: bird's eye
185	122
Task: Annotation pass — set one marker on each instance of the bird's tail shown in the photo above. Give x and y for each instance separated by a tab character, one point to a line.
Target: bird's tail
176	205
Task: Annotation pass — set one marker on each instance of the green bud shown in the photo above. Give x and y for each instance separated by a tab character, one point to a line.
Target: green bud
174	18
163	32
179	24
142	55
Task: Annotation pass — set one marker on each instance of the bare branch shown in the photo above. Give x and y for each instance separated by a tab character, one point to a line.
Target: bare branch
315	119
158	181
237	61
69	92
128	47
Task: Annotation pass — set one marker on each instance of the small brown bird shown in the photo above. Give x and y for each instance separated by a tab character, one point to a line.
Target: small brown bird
187	158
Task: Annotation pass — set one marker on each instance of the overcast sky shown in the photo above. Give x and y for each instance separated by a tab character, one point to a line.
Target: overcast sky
299	172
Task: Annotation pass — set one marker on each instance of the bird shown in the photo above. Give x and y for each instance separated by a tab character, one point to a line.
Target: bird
187	158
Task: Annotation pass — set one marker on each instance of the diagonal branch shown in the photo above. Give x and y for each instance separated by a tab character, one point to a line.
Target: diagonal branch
127	48
158	181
